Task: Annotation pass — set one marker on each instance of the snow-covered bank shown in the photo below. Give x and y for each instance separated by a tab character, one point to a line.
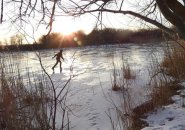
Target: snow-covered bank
170	117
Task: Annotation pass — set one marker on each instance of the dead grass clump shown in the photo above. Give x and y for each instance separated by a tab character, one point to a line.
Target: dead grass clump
31	99
160	95
115	84
128	73
122	75
115	87
174	62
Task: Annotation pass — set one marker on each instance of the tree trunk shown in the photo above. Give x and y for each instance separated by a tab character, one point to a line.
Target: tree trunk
173	14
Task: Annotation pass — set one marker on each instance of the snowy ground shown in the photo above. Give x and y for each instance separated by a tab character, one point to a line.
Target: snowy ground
90	95
170	117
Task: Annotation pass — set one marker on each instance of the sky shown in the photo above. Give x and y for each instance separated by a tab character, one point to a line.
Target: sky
66	24
62	24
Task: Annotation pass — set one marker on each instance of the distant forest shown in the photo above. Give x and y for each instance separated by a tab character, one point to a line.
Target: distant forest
96	37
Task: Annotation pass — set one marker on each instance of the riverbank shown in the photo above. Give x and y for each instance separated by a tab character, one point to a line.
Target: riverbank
147	116
169	117
165	109
39	47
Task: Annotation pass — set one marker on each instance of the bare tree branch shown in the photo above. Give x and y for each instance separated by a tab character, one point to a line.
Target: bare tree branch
176	7
1	12
154	22
172	10
52	15
175	18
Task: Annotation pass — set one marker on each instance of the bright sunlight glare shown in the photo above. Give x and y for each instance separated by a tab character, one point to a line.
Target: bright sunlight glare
68	26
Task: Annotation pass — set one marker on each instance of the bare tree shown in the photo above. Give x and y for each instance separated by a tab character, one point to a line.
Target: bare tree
16	39
174	12
23	11
150	11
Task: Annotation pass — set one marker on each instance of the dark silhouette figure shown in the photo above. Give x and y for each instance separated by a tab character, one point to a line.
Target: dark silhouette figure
58	56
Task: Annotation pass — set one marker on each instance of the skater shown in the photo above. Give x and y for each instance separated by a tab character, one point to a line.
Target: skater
58	56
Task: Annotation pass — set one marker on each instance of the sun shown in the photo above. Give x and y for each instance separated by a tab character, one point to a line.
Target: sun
68	26
68	30
65	29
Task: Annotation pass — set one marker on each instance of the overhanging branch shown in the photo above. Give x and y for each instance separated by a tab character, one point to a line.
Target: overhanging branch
171	16
1	20
177	8
51	18
146	19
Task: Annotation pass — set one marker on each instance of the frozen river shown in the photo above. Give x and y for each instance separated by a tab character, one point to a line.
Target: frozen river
90	96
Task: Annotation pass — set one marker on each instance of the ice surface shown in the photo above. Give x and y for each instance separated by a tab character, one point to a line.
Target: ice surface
90	96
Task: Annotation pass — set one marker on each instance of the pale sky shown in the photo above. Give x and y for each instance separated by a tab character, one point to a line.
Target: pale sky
67	25
63	24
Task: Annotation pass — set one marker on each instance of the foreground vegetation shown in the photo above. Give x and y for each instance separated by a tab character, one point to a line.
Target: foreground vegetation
30	102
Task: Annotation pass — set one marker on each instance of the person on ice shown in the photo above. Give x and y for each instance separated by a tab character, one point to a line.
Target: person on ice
58	56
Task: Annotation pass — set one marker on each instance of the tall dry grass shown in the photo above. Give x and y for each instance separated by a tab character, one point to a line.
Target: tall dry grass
22	108
122	78
27	101
122	75
174	62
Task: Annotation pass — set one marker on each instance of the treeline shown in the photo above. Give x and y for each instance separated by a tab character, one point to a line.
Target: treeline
110	36
96	37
